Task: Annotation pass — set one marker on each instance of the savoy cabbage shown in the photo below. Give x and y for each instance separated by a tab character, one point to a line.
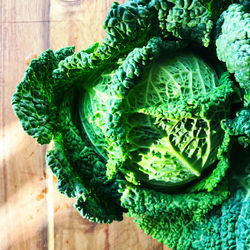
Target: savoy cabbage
154	121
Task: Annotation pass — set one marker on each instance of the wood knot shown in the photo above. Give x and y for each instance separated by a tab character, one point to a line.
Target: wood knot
70	2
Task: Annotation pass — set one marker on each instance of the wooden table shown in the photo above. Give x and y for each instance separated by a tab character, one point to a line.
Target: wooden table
33	214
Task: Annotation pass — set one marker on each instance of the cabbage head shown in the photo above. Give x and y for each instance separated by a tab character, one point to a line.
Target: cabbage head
153	122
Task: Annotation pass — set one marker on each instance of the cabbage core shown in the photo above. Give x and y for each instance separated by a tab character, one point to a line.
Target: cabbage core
171	136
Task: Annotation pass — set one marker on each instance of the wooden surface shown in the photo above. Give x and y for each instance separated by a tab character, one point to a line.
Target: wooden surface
33	214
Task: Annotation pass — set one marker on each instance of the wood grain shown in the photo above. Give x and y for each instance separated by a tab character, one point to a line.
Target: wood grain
33	214
23	218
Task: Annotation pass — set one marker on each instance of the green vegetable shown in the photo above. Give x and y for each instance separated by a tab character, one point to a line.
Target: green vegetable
150	122
233	45
185	226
